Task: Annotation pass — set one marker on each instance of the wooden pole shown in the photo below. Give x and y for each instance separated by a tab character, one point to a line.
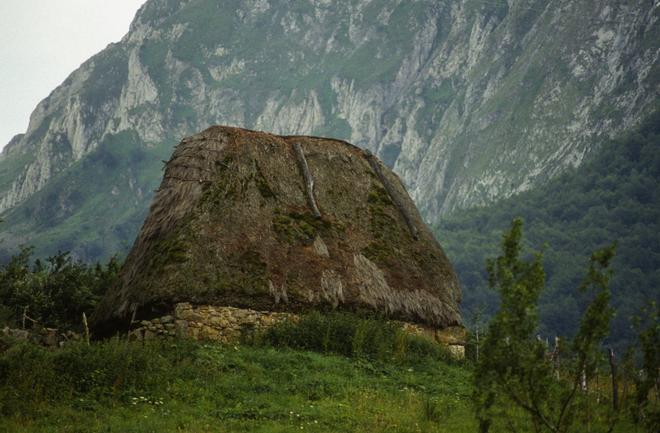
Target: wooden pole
392	193
615	384
477	353
309	180
86	327
555	358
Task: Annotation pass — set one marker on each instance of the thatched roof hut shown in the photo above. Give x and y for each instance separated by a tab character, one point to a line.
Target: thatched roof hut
255	220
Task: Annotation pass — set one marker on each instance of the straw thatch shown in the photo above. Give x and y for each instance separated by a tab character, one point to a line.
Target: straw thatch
236	222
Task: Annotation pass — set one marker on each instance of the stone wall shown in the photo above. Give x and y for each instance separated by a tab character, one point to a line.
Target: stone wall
453	337
49	337
227	324
206	322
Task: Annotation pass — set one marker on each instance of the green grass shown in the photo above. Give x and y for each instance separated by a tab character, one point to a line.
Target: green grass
335	372
116	386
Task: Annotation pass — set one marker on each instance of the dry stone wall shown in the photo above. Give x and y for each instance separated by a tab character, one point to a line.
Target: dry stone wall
48	337
228	324
207	322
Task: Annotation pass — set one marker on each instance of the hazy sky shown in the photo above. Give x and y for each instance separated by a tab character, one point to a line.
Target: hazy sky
43	41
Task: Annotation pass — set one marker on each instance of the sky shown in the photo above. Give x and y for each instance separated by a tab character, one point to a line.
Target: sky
43	41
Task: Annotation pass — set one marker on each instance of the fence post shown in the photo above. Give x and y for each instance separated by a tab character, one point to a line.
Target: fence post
84	319
615	384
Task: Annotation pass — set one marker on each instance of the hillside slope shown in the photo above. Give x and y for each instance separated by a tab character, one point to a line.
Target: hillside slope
615	197
468	101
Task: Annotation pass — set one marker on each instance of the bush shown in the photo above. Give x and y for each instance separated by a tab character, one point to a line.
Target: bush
352	336
53	293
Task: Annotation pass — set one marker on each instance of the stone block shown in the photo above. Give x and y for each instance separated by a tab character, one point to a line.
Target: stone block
136	335
190	315
452	335
457	351
182	329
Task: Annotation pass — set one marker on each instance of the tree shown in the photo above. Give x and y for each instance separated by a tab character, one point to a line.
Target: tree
515	379
52	293
647	409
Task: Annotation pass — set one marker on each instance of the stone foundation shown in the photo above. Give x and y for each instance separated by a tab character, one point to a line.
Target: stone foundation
206	322
453	337
48	337
227	324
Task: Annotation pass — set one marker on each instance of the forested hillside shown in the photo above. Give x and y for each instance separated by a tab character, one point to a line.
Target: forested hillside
615	197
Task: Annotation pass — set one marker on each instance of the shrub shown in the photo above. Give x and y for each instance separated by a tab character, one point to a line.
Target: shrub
53	293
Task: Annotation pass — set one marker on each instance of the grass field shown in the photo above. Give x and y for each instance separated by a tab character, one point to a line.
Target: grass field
331	372
193	387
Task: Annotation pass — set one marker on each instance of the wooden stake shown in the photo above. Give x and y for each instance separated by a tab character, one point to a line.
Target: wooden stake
84	319
555	358
477	352
615	384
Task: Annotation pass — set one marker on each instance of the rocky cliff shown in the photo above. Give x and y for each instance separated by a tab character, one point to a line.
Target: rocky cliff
468	101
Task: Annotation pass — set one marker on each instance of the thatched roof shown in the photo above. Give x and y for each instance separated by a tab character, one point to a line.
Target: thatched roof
234	223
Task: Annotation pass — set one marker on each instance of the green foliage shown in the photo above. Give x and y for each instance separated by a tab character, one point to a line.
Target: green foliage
647	408
30	374
53	293
107	78
11	166
614	196
117	386
94	209
353	336
516	382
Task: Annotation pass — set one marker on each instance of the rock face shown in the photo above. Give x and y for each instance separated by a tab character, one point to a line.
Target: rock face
232	224
468	100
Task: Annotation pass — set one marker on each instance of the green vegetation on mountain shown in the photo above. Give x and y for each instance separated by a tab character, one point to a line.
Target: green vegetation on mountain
72	211
614	197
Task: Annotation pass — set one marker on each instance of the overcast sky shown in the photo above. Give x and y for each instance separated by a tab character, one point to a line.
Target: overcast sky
43	41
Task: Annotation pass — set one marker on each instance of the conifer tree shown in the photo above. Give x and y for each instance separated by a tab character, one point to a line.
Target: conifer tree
515	380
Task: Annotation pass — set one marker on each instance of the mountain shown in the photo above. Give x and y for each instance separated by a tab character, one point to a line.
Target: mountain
468	101
613	197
